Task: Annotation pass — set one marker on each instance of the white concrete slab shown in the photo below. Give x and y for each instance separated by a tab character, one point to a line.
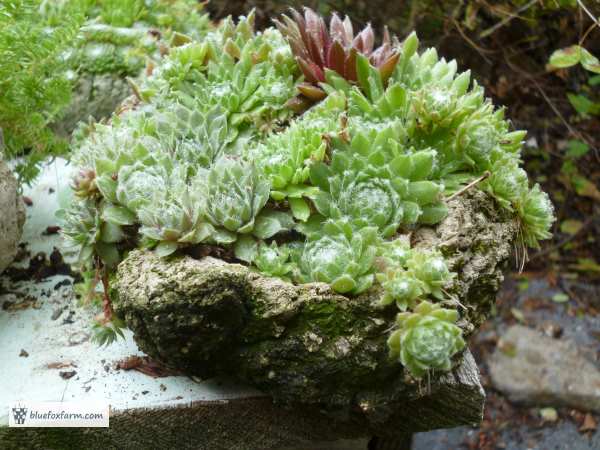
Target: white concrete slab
65	339
52	184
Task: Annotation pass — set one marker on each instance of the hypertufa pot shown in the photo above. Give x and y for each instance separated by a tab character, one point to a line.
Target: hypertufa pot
307	346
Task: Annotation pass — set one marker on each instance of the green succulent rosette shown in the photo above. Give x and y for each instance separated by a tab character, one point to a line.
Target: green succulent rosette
431	269
400	287
341	257
234	192
426	339
274	260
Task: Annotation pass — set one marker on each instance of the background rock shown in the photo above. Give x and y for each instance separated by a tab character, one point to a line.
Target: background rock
94	96
12	216
535	369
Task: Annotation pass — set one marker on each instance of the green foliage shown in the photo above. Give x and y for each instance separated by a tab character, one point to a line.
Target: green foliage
32	80
571	177
411	275
374	182
340	256
216	154
121	35
234	192
105	334
400	287
572	56
286	157
272	260
533	210
44	47
426	339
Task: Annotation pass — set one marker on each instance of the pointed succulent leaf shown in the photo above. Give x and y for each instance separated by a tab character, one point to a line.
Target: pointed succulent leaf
107	187
270	222
246	248
165	249
118	215
300	208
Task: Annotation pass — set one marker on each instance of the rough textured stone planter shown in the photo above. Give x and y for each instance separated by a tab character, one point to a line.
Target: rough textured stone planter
308	345
12	216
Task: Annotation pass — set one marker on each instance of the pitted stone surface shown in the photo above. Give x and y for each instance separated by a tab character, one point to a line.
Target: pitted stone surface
12	216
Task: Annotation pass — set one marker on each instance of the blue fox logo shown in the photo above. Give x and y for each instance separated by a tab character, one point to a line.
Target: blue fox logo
19	414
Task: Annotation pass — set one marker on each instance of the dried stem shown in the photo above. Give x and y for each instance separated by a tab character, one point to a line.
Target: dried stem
106	305
470	185
492	29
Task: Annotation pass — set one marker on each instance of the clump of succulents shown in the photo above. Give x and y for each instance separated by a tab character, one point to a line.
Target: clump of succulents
411	275
216	155
233	192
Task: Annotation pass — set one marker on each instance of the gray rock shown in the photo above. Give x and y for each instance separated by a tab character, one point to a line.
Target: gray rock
94	96
535	369
12	216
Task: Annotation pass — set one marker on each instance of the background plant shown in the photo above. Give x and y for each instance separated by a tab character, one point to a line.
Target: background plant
46	46
33	81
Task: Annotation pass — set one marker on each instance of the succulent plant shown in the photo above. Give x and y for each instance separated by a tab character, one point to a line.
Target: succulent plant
431	269
86	230
426	339
318	49
340	257
175	224
196	138
84	183
369	181
537	215
410	274
401	287
233	192
507	183
274	260
395	252
139	184
249	76
168	210
286	157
